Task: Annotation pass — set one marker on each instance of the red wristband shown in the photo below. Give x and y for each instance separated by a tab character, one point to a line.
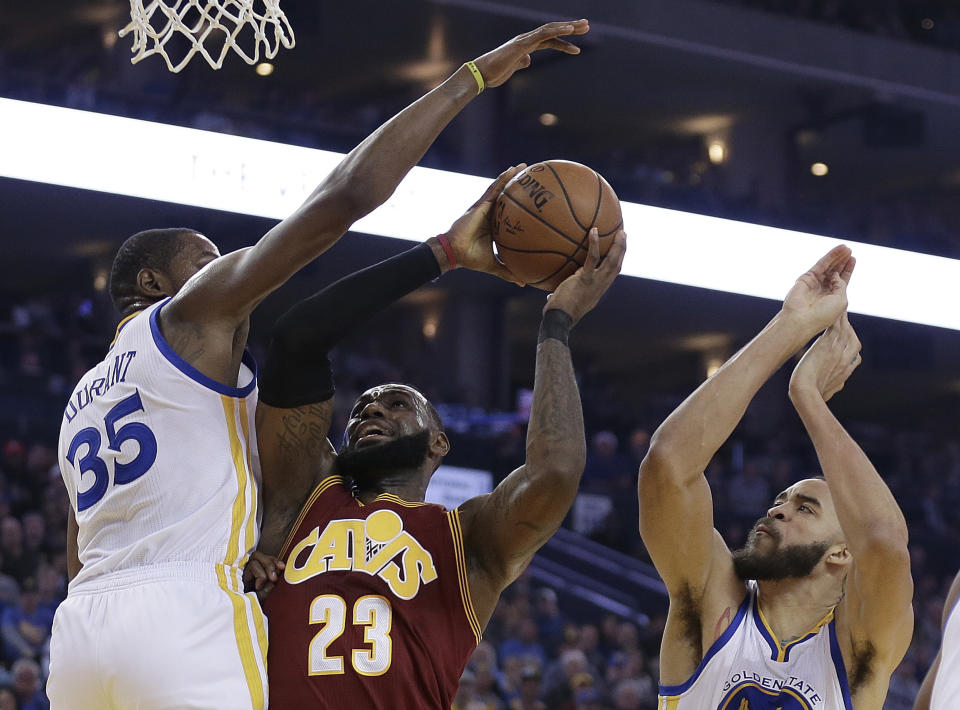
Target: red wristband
448	250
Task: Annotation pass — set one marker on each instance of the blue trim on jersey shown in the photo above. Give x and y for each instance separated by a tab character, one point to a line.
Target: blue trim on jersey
841	669
193	373
666	690
762	628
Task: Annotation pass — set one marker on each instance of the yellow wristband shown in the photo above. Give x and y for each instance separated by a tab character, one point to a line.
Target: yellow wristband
476	75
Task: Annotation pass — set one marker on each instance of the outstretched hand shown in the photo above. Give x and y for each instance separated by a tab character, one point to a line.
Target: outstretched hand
829	362
820	295
471	236
578	294
498	65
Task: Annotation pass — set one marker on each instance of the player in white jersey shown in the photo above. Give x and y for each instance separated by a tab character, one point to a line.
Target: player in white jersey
156	447
814	613
941	687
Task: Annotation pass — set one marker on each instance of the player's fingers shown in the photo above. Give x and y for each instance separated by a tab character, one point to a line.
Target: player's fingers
559	44
257	574
847	271
830	261
613	259
524	62
593	251
551	29
496	187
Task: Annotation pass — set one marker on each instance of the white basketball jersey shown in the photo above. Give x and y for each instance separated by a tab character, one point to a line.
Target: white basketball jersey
946	686
747	669
161	464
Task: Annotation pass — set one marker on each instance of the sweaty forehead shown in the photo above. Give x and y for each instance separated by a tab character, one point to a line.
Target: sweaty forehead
810	487
384	390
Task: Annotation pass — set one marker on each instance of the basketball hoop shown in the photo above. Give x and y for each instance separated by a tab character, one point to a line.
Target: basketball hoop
210	27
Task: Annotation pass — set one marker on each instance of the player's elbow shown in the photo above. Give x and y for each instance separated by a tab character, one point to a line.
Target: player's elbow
349	194
659	462
558	462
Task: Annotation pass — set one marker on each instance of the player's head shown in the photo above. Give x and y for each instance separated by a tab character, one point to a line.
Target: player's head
799	536
155	264
392	429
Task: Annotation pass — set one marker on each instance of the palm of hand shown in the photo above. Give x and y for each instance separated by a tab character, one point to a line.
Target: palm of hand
817	300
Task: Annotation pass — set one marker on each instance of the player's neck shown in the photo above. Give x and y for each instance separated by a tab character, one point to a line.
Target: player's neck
406	484
792	607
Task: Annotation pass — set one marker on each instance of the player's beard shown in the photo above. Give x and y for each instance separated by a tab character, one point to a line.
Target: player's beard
404	452
788	562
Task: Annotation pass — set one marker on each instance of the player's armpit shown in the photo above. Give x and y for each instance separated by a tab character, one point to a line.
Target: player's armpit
875	617
295	455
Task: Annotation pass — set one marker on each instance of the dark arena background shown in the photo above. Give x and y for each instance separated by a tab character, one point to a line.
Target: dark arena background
816	117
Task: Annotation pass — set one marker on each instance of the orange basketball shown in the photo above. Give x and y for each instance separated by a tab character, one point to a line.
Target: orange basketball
543	217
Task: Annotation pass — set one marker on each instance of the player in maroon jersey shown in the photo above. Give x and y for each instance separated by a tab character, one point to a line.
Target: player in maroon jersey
381	598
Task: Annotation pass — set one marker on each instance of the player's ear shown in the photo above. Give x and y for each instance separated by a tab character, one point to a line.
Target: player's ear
839	554
440	445
153	283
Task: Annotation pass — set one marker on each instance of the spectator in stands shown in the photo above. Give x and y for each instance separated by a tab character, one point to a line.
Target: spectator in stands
16	562
550	622
530	689
631	694
27	686
606	469
8	699
526	643
26	626
34	536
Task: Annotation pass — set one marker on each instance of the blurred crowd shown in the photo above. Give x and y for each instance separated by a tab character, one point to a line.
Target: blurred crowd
542	649
933	22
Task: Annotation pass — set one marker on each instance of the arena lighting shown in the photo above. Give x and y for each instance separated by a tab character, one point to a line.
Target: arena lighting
247	176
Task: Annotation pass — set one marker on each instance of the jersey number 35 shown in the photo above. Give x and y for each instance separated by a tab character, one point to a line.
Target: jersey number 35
91	462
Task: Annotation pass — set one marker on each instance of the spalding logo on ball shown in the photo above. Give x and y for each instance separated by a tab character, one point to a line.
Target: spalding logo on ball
543	217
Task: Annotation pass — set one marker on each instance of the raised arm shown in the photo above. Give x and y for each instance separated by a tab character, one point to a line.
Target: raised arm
502	530
877	608
671	483
228	290
296	385
926	690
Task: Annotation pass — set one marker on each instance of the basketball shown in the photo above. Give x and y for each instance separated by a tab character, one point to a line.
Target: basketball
542	219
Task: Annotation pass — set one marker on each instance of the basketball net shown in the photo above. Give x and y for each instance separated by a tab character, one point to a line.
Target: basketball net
212	28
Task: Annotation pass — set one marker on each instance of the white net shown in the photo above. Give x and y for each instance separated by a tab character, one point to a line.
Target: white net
212	28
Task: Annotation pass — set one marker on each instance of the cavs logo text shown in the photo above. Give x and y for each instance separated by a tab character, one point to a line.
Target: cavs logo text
377	546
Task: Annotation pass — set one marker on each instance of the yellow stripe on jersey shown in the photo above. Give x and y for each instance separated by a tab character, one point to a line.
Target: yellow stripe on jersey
782	647
321	487
668	702
252	515
241	630
391	498
120	326
453	517
234	550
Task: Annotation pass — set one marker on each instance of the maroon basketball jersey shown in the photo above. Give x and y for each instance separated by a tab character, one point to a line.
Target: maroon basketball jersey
373	609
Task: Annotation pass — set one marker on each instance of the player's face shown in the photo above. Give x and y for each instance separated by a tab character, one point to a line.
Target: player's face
800	515
195	253
384	414
794	536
